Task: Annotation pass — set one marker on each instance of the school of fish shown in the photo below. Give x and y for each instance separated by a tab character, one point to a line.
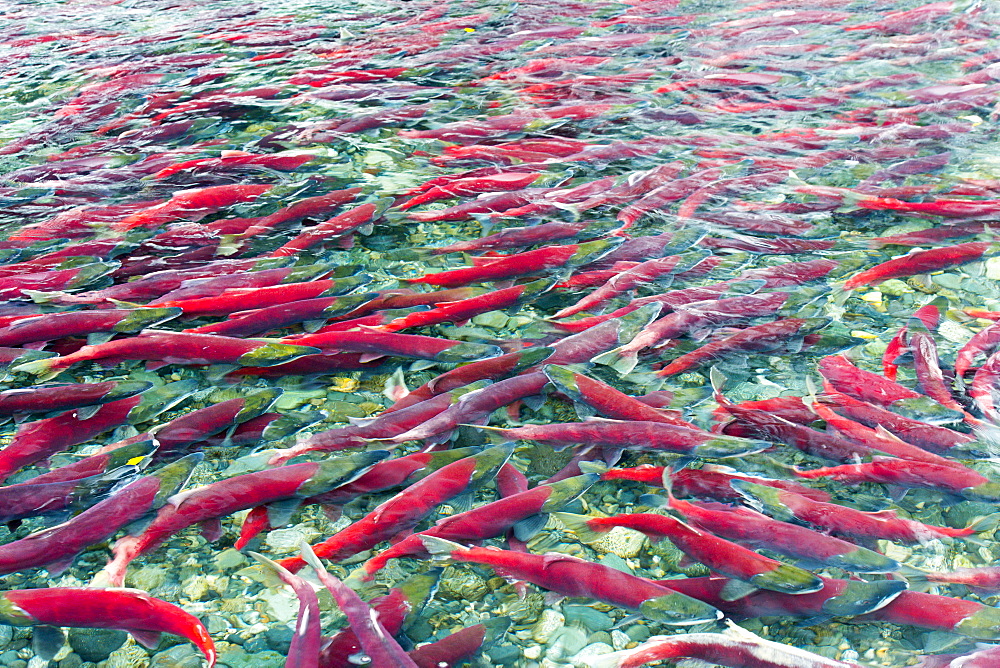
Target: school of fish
361	290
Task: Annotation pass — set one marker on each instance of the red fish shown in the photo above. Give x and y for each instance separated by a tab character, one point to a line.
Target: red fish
756	339
571	576
191	205
757	531
524	512
736	648
919	262
57	547
209	503
524	264
135	611
842	520
403	511
336	227
164	347
720	555
632	435
957	480
53	326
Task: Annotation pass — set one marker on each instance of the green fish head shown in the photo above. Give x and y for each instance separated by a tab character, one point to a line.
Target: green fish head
925	409
258	403
160	399
468	352
568	490
863	560
271	354
859	597
592	251
630	324
729	446
988	492
489	461
13	615
763	498
174	476
141	318
132	454
126	388
983	624
563	378
340	471
678	610
788	580
349	303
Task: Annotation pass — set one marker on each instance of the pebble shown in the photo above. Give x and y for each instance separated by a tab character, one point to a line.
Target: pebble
585	657
568	642
178	656
590	619
71	660
128	656
289	540
620	639
96	644
532	652
6	635
548	624
620	541
461	584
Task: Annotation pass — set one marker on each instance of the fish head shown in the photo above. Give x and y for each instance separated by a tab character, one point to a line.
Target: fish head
126	388
339	471
679	610
271	354
349	303
468	352
863	560
290	423
763	498
988	492
160	399
729	446
568	490
530	357
859	597
258	403
564	379
12	614
143	318
788	580
174	476
925	409
633	322
489	461
983	624
591	251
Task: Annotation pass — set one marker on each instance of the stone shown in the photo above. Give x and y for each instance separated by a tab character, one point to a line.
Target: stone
71	660
128	656
461	584
585	657
587	617
279	638
6	635
620	541
178	656
549	623
96	644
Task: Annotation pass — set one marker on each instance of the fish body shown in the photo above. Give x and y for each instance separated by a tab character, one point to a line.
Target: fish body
720	555
402	511
571	576
226	496
135	611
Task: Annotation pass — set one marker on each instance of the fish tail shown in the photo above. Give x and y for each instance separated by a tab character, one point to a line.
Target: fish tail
985	523
441	549
622	361
44	368
579	525
914	576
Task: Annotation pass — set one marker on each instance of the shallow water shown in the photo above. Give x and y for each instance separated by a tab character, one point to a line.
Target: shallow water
899	106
